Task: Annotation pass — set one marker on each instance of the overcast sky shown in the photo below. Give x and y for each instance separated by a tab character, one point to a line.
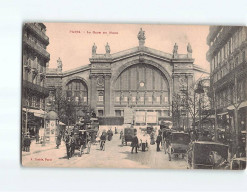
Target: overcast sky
75	49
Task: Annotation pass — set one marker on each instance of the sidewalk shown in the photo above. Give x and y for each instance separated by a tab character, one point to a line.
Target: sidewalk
37	148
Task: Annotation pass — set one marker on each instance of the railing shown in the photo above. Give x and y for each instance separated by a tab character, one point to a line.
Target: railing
35	87
38	31
38	48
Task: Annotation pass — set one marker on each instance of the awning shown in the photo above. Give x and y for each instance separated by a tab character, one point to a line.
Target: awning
243	104
221	114
37	113
230	107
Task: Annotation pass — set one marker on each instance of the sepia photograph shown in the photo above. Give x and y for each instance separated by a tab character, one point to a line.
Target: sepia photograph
149	96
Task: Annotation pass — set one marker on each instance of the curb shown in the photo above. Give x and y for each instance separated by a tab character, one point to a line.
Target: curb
38	151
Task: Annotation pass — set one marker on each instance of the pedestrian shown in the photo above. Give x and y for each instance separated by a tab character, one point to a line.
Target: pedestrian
88	142
121	134
58	141
158	140
37	137
68	146
22	141
134	144
102	141
110	134
116	130
72	143
144	142
152	142
27	143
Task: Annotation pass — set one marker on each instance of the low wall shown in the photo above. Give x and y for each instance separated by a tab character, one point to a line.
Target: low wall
111	120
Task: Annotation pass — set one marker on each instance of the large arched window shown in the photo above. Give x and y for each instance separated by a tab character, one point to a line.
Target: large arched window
77	91
141	84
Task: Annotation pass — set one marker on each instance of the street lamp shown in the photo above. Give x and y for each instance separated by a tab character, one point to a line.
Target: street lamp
199	90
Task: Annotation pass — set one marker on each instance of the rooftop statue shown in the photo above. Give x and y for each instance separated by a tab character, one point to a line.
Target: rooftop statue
175	49
141	35
59	64
189	49
107	48
94	48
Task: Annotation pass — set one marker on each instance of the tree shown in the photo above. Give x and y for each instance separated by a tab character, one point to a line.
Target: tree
63	106
191	102
232	98
69	111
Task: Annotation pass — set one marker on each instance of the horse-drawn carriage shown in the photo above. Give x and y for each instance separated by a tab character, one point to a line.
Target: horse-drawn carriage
177	144
207	155
81	136
128	135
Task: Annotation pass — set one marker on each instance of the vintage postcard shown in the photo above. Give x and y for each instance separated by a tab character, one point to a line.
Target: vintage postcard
134	96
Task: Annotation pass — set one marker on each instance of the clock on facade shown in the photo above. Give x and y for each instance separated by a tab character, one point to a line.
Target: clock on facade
142	84
100	81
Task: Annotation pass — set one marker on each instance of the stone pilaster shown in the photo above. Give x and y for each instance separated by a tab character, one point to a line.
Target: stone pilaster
107	95
93	92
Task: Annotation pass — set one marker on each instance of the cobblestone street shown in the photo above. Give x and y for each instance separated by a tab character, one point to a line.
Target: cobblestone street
114	156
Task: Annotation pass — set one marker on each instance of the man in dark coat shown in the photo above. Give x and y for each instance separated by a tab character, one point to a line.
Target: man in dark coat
134	144
102	141
27	143
68	147
37	137
158	140
58	141
72	142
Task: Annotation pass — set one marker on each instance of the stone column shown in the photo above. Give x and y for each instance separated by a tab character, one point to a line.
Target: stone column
107	95
93	92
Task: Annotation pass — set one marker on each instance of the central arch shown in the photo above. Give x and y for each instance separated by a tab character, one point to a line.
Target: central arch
144	86
146	62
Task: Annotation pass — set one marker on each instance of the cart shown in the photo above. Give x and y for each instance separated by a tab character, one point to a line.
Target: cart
128	135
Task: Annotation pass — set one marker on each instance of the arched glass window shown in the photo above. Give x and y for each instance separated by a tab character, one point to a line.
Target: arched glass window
77	91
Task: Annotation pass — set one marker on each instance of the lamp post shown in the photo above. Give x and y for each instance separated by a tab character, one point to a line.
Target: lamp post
199	90
215	115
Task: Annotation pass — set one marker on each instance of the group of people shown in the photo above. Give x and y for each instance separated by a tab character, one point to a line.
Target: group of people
106	136
72	141
26	142
143	141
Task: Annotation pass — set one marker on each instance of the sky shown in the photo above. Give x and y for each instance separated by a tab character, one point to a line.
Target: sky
73	42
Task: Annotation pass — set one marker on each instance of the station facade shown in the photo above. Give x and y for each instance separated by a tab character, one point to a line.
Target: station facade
140	78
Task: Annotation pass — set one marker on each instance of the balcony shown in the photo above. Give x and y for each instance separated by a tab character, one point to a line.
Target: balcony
37	88
36	47
38	31
227	32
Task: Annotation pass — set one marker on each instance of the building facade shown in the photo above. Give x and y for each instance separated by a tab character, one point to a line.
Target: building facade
140	78
34	61
228	77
